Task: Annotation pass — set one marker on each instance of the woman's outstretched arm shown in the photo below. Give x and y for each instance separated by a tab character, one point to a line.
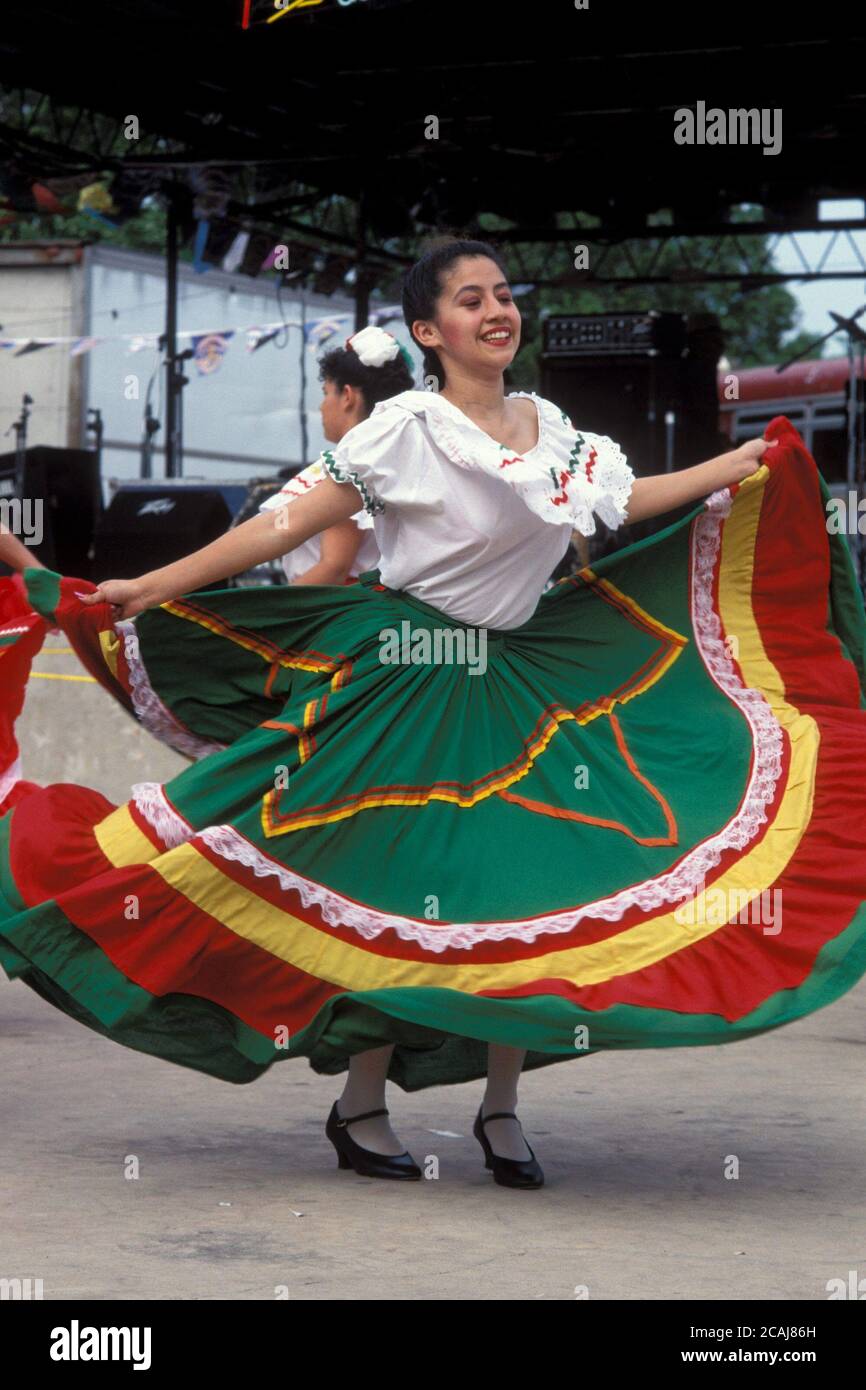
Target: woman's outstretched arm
264	537
664	491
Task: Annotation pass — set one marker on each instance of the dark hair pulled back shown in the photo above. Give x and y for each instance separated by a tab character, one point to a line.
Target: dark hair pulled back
422	286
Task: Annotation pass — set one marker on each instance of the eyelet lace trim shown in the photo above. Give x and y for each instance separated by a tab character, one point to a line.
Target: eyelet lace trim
169	824
675	886
608	475
611	484
149	709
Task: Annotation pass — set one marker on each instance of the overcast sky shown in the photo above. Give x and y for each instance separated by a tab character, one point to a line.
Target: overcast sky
816	297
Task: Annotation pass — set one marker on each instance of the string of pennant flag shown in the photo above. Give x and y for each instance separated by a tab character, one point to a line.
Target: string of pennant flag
209	345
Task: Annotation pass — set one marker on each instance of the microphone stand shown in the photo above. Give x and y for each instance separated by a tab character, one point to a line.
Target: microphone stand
20	428
151	426
176	382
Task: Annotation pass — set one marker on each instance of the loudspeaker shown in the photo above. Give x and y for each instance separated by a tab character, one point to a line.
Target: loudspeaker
625	398
61	499
629	333
620	376
144	528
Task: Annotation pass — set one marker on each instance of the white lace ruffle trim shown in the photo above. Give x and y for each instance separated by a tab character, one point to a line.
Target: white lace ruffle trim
675	886
149	709
169	824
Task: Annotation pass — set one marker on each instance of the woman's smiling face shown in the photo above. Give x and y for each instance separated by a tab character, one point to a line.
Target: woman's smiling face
477	322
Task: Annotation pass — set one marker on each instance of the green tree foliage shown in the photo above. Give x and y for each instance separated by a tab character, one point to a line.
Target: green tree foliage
757	323
146	232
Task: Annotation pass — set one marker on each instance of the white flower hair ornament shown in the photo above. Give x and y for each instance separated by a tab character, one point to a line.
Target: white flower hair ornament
375	347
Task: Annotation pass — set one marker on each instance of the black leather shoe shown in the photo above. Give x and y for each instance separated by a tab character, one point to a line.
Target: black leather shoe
508	1172
365	1161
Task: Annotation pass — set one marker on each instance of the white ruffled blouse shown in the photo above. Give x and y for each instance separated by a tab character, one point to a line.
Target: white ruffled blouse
296	562
463	522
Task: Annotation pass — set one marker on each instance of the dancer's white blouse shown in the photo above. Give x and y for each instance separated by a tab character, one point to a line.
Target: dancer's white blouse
464	523
296	562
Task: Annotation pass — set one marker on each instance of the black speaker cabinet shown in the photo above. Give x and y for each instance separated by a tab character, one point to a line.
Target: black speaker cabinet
625	398
145	528
625	389
61	491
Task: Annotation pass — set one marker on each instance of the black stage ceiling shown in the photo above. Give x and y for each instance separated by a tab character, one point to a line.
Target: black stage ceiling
542	108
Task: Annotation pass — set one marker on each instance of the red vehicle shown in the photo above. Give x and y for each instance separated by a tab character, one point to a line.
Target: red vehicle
813	395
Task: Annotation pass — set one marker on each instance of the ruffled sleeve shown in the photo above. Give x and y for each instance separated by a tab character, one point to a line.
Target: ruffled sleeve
303	483
382	456
592	472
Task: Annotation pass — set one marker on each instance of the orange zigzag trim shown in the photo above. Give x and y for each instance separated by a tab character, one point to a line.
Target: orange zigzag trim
544	809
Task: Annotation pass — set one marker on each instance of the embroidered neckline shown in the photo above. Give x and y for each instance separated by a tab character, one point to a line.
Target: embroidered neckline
465	419
568	478
460	417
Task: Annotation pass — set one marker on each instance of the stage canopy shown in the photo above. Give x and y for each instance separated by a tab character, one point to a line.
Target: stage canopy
430	116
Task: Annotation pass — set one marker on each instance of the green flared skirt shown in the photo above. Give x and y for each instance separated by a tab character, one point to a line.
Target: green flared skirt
637	820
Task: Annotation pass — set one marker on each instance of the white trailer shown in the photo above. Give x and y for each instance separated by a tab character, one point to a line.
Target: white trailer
240	421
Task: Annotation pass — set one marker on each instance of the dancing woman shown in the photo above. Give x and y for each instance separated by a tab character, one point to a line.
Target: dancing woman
425	868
